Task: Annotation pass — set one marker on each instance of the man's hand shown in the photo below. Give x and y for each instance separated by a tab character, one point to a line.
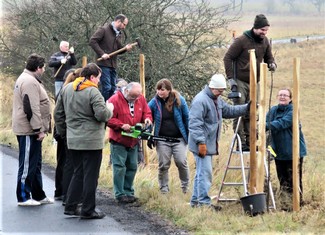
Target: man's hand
126	127
41	136
128	47
71	50
105	56
202	150
63	61
110	106
147	122
272	67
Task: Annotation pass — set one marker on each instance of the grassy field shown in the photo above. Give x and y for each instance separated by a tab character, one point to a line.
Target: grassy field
174	206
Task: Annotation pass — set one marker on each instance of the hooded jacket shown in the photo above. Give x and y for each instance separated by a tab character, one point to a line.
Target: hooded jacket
81	114
279	121
205	120
31	112
238	53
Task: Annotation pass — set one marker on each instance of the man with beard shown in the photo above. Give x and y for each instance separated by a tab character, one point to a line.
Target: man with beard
236	63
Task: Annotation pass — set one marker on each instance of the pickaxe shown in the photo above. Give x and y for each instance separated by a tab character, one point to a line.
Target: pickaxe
137	42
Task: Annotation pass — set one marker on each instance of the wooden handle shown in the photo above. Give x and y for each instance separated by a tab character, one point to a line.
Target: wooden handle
118	51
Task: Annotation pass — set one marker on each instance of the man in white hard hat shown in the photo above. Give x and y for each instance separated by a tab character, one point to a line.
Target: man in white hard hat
205	123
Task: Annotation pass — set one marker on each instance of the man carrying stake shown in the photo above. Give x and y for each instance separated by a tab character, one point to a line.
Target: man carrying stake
236	63
104	41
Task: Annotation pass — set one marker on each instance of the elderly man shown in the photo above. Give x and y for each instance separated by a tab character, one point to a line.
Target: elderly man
130	108
236	63
62	61
81	115
205	123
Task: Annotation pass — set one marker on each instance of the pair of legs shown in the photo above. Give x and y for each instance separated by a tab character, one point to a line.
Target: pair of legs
83	185
58	85
202	181
125	163
284	173
166	151
63	171
29	182
108	82
243	130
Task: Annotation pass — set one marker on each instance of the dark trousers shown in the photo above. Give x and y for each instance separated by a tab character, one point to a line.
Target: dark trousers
60	162
84	181
64	168
29	180
284	172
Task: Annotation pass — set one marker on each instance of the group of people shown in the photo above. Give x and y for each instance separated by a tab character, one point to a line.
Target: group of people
83	112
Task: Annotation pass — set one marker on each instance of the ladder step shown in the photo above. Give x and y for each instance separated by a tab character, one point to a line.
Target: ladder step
237	168
232	184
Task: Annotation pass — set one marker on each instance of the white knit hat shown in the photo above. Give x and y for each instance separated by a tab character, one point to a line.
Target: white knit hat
218	81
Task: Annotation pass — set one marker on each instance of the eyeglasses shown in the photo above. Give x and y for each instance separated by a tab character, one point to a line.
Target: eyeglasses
283	95
123	24
218	89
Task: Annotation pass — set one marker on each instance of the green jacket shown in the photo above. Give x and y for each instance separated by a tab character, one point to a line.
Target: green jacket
81	116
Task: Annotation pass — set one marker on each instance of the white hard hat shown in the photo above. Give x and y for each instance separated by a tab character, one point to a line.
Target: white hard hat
218	81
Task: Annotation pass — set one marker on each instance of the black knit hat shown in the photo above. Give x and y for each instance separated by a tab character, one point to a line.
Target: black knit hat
260	21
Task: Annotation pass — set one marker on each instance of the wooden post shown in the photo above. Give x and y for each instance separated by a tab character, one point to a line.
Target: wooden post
295	134
84	61
143	84
252	121
261	143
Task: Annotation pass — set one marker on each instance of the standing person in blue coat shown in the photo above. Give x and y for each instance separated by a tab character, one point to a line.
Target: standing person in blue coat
205	123
170	115
279	122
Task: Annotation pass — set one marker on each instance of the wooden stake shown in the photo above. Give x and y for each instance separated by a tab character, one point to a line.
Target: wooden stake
84	61
252	120
261	143
295	134
143	84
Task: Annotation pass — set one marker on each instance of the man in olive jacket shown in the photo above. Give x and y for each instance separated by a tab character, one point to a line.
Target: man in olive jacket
236	62
81	115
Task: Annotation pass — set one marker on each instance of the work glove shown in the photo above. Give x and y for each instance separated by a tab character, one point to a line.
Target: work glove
272	67
63	61
71	50
202	150
151	142
232	84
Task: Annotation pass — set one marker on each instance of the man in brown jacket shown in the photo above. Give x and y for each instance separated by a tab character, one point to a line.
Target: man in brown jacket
31	118
236	63
104	41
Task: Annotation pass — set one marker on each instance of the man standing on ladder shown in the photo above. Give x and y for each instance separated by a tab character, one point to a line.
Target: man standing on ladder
236	63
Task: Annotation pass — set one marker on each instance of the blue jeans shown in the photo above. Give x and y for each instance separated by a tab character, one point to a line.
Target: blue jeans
107	82
202	181
58	85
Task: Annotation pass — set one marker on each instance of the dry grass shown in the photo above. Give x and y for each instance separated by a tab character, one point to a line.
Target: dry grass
174	206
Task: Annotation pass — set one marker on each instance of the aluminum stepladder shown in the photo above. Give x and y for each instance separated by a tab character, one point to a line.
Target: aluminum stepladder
242	167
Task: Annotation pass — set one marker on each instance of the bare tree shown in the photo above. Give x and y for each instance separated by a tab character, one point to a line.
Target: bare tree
176	35
318	4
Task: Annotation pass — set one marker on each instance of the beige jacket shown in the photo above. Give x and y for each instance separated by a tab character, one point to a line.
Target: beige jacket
31	106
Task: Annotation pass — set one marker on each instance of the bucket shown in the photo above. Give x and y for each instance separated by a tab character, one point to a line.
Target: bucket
254	204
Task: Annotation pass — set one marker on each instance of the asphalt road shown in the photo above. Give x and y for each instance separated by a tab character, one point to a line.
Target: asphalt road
44	219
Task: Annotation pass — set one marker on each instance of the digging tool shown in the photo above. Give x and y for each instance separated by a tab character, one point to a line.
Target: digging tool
137	42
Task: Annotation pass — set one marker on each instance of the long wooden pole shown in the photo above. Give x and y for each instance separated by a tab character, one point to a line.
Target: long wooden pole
143	84
261	143
295	134
252	121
